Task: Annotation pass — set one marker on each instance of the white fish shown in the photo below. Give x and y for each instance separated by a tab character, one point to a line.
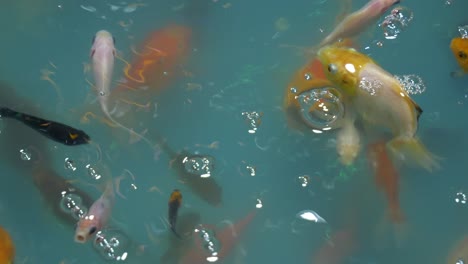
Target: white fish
103	55
97	217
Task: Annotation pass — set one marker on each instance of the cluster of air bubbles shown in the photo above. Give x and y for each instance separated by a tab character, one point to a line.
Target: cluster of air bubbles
253	119
70	164
320	107
25	154
92	172
460	198
199	165
412	83
259	204
72	204
304	180
112	245
210	243
398	19
370	85
463	31
252	171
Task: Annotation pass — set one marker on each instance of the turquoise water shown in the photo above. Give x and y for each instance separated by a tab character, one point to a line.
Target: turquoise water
237	65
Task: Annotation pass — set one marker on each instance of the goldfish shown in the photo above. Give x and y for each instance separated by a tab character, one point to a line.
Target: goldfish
358	21
157	61
102	54
386	177
7	248
459	47
385	104
227	237
97	216
56	131
175	201
311	76
459	253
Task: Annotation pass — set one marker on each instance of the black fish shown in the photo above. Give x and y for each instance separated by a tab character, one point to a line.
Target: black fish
56	131
175	200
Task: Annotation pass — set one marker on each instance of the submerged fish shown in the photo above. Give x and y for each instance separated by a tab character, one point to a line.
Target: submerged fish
459	47
58	132
175	201
102	54
358	21
7	248
384	104
97	216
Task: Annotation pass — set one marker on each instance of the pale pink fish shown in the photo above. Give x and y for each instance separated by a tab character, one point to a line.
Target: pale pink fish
97	216
358	21
103	56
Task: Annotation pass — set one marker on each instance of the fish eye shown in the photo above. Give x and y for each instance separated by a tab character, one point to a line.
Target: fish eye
462	55
92	230
332	68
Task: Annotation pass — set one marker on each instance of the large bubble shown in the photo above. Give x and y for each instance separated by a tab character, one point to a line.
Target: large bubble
320	108
112	245
398	19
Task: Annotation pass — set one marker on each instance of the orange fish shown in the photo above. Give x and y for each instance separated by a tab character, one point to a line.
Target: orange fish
155	64
341	245
175	201
228	239
459	47
459	251
311	76
386	176
7	248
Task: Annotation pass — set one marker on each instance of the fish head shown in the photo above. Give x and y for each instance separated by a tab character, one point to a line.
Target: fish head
176	196
459	47
342	66
103	38
86	228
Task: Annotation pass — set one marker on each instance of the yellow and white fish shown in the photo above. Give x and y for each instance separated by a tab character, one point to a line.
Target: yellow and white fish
384	103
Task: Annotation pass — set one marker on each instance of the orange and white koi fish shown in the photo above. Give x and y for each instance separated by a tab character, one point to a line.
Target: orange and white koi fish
102	54
459	47
7	248
228	239
97	216
386	178
358	21
386	105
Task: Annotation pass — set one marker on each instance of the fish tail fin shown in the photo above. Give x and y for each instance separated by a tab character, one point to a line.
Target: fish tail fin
7	112
412	151
152	145
175	232
396	215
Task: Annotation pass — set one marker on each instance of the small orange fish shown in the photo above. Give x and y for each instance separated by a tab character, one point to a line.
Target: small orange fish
156	63
7	248
459	47
386	176
340	246
227	237
175	201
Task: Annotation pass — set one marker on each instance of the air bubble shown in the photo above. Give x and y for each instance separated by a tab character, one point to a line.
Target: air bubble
112	245
321	107
69	201
370	85
78	212
199	165
412	83
460	198
69	164
254	120
252	170
92	172
393	24
293	90
463	31
210	244
304	180
25	154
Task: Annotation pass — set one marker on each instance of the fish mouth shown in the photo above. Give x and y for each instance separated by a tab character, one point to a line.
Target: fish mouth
79	238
